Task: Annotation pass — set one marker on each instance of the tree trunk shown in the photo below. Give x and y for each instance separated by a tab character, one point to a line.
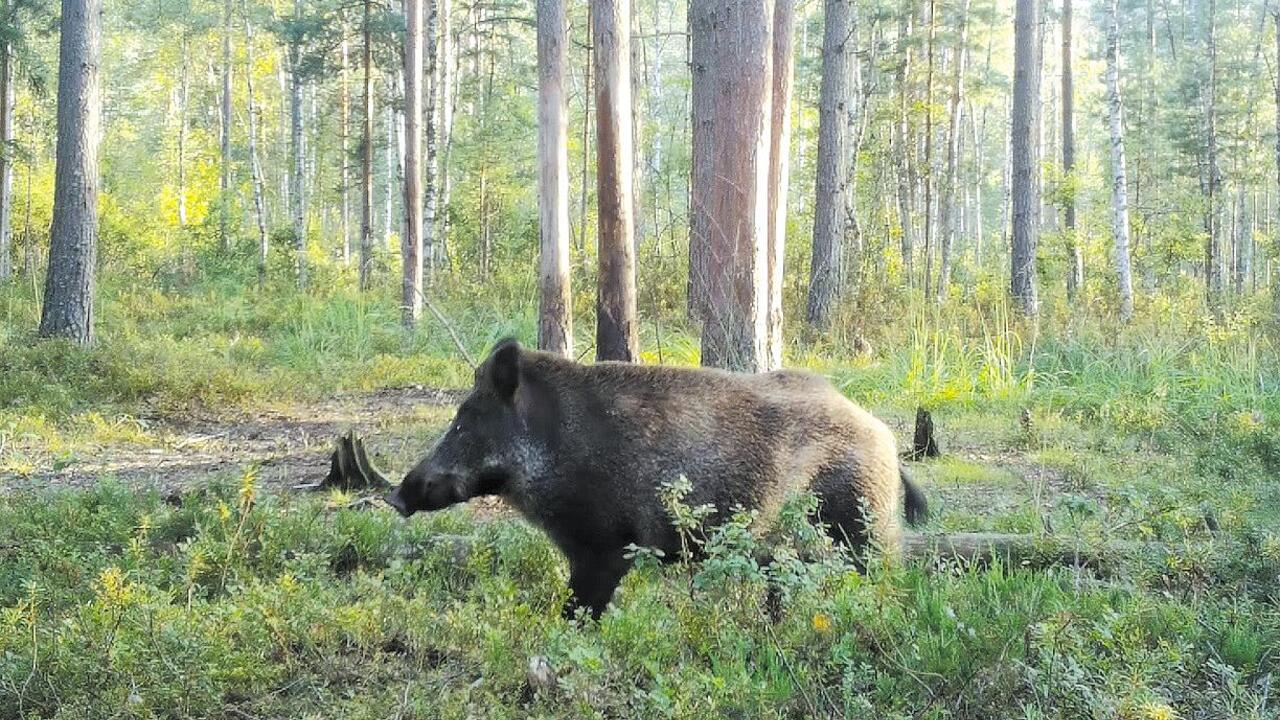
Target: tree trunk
732	123
6	162
183	98
949	192
366	150
73	237
224	181
1075	278
411	240
779	172
255	163
586	134
429	196
1213	268
1242	245
1275	282
902	144
616	337
834	104
446	71
297	158
929	226
555	318
344	152
1024	167
1119	186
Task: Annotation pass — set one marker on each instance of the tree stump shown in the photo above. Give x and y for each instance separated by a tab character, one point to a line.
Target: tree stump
925	443
349	468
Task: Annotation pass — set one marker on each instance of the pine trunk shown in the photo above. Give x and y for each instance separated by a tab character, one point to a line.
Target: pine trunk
411	240
555	318
6	162
1213	268
732	120
1024	166
1119	184
616	336
344	152
366	150
1075	277
838	59
73	237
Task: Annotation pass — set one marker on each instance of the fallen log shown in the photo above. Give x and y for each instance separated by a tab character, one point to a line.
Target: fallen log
978	549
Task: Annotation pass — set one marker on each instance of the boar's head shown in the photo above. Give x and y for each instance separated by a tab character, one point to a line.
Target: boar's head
487	446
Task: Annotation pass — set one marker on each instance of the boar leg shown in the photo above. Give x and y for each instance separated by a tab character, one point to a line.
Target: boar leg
592	579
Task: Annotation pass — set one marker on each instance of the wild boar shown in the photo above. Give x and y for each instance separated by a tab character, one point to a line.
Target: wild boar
582	451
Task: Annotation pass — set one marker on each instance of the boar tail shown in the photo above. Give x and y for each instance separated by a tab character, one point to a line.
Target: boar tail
917	507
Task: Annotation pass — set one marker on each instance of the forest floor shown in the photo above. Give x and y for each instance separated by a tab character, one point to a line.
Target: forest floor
155	562
993	475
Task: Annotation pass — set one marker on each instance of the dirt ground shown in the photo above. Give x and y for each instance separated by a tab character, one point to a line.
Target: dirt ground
285	445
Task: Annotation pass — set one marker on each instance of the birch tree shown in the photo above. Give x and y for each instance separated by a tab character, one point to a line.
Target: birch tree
1119	181
555	319
779	170
6	161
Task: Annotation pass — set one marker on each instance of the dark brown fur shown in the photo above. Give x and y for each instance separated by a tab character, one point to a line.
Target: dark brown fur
583	450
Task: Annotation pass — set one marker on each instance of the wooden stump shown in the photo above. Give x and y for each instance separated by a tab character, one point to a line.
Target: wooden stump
925	443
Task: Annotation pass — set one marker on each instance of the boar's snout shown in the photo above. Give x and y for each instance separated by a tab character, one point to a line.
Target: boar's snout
396	500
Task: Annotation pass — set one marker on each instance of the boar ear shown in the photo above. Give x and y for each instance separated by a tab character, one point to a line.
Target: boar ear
504	368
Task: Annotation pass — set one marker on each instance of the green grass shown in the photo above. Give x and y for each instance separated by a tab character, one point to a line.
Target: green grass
118	604
241	603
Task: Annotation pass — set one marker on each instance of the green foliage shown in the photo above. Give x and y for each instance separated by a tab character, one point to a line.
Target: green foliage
231	602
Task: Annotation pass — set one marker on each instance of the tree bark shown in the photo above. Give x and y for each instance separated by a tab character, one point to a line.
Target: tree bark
344	152
6	162
255	163
616	337
224	180
1119	182
1243	249
446	72
834	104
430	112
779	172
366	150
1075	278
954	130
1213	269
902	144
73	237
297	159
183	98
929	226
555	318
411	241
1024	167
732	123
